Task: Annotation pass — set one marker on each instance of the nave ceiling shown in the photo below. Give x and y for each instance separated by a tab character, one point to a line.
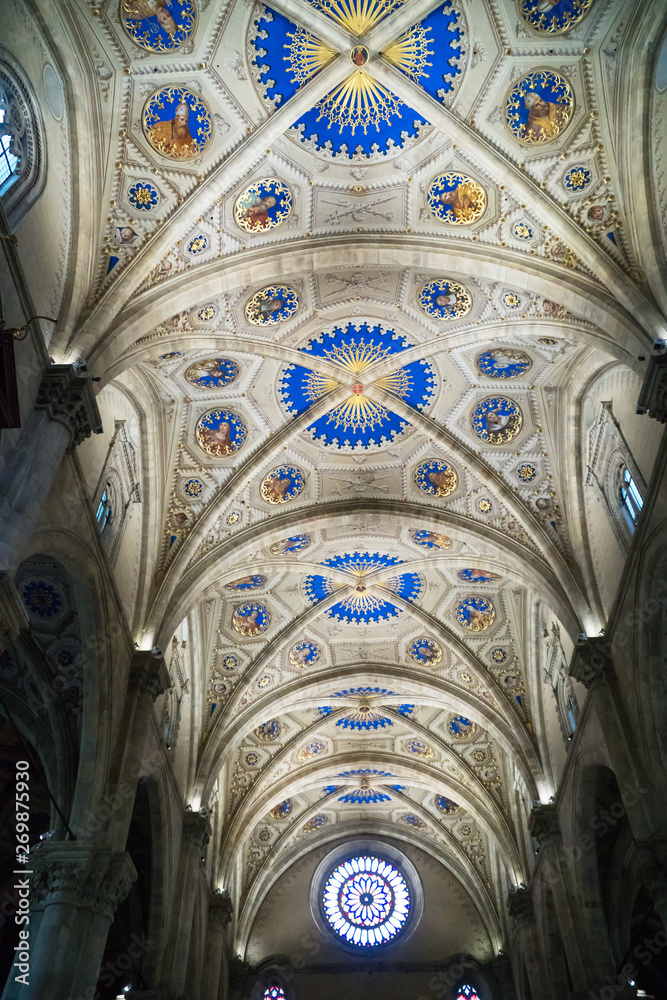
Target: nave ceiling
358	355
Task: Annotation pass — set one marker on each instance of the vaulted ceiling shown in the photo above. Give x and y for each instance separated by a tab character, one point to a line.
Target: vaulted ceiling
357	289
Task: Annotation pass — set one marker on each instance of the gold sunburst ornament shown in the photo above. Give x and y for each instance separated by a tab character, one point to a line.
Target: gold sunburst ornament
410	52
307	56
357	16
360	101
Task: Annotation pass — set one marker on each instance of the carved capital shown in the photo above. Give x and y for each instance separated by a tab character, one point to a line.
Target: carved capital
544	826
592	663
81	875
67	396
520	907
196	832
220	910
13	616
148	673
653	395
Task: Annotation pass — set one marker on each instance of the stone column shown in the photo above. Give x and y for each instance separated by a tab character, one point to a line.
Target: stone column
501	966
65	414
520	909
649	867
215	971
239	972
148	679
75	888
196	834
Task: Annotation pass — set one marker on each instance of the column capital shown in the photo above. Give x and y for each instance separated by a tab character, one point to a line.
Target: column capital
520	907
653	395
13	616
196	832
79	873
544	825
649	869
148	672
592	663
501	967
68	397
220	910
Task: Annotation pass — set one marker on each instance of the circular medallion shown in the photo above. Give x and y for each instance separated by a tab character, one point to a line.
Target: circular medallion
229	662
447	806
509	681
282	484
311	749
304	654
252	582
264	681
445	299
522	231
418	748
282	810
498	654
159	25
273	304
414	821
359	55
477	576
496	420
436	478
456	199
177	123
264	205
221	432
553	17
314	823
426	651
252	759
265	835
142	196
577	178
461	728
213	373
366	901
503	362
430	539
485	505
268	731
539	107
198	244
233	518
526	473
475	613
297	543
193	488
251	619
42	598
207	313
511	300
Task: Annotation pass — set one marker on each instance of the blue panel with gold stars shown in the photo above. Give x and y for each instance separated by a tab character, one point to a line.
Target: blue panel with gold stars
271	305
363	605
159	25
497	420
475	613
503	362
252	582
553	17
213	373
358	422
221	432
42	599
295	543
251	619
365	796
177	123
539	107
443	298
430	539
477	575
426	651
304	654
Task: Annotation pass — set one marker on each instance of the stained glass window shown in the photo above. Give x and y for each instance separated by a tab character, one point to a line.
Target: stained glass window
629	496
366	901
467	993
103	514
274	993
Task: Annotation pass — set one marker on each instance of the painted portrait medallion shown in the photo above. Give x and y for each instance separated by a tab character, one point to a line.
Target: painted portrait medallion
445	299
221	432
177	123
213	373
282	484
475	613
296	543
304	654
253	582
268	731
418	748
314	823
553	17
271	305
436	478
430	539
251	619
478	576
539	107
311	749
447	806
426	651
456	199
125	236
496	420
264	205
159	25
461	728
282	810
503	362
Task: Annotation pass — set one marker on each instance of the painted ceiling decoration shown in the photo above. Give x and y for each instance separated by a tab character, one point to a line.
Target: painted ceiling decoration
363	579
